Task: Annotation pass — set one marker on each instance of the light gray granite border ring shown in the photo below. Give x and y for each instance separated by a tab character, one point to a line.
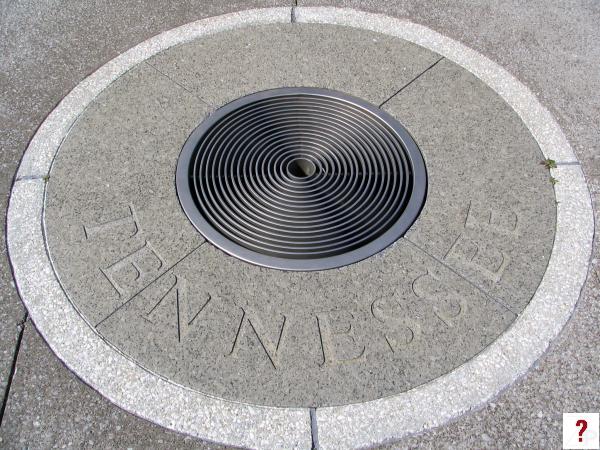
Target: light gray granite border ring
176	407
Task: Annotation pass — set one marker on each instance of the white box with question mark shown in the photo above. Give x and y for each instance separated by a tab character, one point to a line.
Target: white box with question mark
580	430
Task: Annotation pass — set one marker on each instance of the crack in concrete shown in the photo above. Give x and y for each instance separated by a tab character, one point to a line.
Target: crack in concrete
13	366
206	103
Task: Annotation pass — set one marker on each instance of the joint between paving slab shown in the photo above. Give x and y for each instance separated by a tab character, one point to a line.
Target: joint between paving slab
411	82
567	163
30	177
210	106
293	12
454	271
166	271
13	365
314	430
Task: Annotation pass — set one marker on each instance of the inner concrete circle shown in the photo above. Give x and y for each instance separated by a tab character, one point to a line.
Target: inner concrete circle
150	285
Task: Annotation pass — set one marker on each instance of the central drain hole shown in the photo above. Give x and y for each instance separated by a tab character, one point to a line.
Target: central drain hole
301	168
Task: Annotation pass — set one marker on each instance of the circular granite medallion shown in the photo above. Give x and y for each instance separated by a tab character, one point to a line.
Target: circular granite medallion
151	285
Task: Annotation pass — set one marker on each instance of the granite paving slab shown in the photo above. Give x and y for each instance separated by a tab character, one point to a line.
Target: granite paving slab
490	209
134	267
361	63
115	194
309	339
54	409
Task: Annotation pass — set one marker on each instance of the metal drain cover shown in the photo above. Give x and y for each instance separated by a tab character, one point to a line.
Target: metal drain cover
301	179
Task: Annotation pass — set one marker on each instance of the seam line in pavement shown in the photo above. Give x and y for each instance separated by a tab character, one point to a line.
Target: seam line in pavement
210	106
314	430
29	177
129	300
568	163
411	82
479	288
13	366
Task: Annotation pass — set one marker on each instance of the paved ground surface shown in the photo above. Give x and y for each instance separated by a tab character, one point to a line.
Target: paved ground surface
48	49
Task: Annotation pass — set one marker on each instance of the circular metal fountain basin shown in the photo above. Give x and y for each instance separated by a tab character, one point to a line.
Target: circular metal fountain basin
301	179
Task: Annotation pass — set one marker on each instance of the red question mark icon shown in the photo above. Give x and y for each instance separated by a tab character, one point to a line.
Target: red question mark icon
583	424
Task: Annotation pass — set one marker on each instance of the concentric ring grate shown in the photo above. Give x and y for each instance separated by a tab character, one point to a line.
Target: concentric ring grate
301	179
